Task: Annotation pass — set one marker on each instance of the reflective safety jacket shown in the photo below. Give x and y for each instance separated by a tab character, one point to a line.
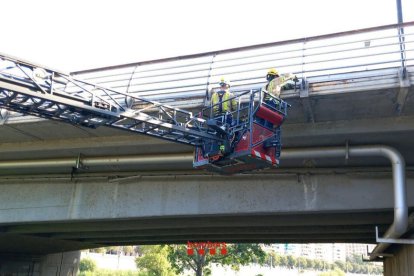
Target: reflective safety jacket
274	86
221	103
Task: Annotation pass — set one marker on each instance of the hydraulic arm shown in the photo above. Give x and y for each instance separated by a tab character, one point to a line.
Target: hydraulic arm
31	89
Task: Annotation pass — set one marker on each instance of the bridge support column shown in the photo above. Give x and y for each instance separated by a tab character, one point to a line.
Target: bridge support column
402	263
58	264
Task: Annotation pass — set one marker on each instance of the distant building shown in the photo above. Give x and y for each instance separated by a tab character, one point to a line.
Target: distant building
358	249
286	249
293	249
329	252
323	251
339	252
308	251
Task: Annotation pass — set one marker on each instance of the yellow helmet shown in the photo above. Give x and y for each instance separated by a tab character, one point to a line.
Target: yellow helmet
273	72
224	81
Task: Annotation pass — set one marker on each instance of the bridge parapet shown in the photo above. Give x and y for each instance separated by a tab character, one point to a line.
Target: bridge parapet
366	59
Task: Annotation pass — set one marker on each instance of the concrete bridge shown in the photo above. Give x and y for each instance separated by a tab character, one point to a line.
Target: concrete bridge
66	188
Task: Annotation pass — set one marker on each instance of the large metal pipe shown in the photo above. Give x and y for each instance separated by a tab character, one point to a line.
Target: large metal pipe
139	160
73	162
37	164
400	223
397	229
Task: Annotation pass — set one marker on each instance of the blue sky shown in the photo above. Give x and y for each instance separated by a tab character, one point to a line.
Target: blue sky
78	34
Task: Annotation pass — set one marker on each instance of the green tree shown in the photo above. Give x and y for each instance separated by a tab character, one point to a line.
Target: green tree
318	264
325	265
349	267
87	264
291	261
357	268
273	259
138	250
154	260
128	250
276	260
113	250
340	265
283	261
302	262
237	254
269	260
99	250
311	264
365	269
355	259
378	270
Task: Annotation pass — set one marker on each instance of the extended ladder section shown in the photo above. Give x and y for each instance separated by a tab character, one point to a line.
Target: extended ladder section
35	90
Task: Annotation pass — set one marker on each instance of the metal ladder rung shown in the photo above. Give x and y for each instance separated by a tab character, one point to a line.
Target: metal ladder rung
60	96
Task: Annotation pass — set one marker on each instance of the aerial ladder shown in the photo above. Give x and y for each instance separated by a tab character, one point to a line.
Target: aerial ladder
250	142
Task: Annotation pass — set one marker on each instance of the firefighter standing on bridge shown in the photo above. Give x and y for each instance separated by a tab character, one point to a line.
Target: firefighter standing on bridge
222	103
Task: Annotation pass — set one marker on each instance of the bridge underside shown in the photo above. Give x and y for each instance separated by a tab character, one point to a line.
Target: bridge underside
261	228
296	207
357	117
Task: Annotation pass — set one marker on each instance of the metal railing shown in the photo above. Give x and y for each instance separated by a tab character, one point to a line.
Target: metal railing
316	59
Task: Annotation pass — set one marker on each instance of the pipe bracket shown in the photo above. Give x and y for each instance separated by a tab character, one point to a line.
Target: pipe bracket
392	241
79	163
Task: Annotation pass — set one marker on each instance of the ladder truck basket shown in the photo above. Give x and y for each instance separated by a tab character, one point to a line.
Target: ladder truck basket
253	135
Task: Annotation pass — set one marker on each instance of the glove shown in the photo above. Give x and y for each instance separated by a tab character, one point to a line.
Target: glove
295	79
288	86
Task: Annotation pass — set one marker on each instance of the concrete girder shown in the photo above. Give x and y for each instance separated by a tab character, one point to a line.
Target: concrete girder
161	196
263	221
345	205
280	230
331	227
278	238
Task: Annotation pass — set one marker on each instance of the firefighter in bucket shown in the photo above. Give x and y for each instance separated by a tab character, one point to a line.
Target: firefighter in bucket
223	104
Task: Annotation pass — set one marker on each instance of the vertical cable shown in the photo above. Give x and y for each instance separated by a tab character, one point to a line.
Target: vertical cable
128	100
208	78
